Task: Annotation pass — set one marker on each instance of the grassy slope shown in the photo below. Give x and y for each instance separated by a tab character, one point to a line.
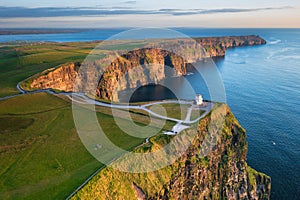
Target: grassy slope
113	184
45	159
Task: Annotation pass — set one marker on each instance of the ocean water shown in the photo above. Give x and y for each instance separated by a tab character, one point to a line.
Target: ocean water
263	90
262	85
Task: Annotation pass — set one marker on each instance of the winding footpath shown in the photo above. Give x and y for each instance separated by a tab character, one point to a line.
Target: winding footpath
83	99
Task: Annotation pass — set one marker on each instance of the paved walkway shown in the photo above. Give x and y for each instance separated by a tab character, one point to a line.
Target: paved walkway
180	124
82	99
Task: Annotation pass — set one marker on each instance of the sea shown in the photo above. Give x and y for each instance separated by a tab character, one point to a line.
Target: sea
262	85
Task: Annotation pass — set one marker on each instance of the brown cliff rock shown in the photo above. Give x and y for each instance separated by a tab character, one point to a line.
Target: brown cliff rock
137	68
217	46
61	78
140	67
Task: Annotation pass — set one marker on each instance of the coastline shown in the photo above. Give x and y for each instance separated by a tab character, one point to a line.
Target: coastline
111	105
251	71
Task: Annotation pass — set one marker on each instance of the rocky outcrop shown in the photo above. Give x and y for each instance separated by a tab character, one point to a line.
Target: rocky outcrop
139	193
61	78
221	174
140	67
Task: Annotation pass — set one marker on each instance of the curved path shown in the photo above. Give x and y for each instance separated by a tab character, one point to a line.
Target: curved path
83	99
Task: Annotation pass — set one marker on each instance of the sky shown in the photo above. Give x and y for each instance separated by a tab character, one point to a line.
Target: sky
149	13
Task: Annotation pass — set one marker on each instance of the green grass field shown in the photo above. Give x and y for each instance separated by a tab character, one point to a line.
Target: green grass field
173	110
41	155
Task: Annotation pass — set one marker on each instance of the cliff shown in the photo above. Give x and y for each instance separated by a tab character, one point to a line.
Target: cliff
61	78
221	174
125	72
217	46
137	68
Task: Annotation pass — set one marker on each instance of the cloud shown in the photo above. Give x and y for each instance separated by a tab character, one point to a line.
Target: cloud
130	2
214	11
11	12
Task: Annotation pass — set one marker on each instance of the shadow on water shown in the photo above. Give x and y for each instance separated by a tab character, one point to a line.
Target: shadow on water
219	61
152	92
179	87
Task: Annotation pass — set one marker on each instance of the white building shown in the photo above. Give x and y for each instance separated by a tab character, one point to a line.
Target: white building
199	99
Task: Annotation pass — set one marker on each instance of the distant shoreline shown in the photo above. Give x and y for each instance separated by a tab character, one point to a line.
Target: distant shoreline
41	31
38	31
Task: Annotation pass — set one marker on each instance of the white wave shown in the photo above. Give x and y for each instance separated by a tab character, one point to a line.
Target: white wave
189	73
281	53
291	57
274	42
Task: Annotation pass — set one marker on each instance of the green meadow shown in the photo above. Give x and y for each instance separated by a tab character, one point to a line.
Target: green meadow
41	155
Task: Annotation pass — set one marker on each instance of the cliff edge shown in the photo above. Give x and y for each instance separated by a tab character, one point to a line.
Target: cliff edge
221	174
117	76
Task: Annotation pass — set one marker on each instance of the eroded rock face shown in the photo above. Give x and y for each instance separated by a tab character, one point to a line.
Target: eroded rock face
61	78
140	195
140	67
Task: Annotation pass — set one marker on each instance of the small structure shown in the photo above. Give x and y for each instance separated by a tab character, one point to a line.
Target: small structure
199	99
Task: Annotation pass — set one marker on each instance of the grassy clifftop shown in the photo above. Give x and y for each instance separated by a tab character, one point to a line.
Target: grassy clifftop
221	174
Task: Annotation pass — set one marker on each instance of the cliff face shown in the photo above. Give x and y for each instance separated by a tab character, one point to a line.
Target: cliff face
217	46
126	71
221	174
138	68
61	78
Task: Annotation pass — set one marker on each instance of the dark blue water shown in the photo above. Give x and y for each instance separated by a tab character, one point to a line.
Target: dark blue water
263	90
